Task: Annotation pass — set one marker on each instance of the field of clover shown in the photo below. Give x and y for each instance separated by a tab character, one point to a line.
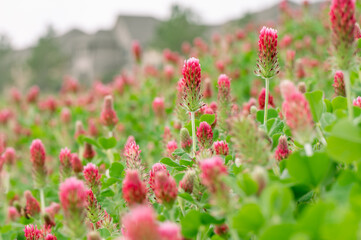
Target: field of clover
186	150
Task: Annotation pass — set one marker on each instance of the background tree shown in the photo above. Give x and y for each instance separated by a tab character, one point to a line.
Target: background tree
47	62
182	26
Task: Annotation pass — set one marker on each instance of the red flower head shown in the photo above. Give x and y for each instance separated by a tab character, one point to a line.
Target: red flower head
170	231
205	135
32	207
357	102
89	152
158	107
108	116
137	50
191	85
65	163
267	63
282	150
169	72
339	84
207	92
37	152
9	156
73	196
13	213
33	94
261	99
79	129
132	153
186	140
76	163
65	116
70	84
156	168
92	176
50	237
32	232
165	188
187	183
134	190
171	147
224	87
221	148
343	20
211	171
140	224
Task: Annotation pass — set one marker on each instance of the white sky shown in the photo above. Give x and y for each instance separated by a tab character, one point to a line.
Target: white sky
25	20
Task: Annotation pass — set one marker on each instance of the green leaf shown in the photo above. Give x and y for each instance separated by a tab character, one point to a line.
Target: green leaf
185	162
274	126
248	220
316	104
107	143
189	126
280	232
308	170
107	182
187	197
247	184
344	143
116	170
169	162
209	118
107	193
208	219
191	223
272	113
104	233
90	141
339	103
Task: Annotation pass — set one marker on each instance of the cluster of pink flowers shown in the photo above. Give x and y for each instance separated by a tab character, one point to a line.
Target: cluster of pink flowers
132	153
221	148
171	147
339	84
108	116
158	107
165	188
65	157
37	152
72	195
32	207
267	63
212	170
134	189
282	150
205	135
262	98
92	176
140	224
186	140
137	51
157	167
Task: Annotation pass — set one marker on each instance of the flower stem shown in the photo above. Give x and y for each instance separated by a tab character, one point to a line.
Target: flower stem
319	131
42	200
308	149
193	134
266	101
346	75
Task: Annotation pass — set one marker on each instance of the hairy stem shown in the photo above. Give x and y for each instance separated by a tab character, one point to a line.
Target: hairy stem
42	200
193	134
347	80
266	101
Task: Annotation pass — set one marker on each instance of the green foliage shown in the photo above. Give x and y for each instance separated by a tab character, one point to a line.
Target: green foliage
180	27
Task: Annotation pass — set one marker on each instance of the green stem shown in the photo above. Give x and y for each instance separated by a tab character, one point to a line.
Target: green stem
319	132
308	149
193	134
181	206
347	80
266	102
42	200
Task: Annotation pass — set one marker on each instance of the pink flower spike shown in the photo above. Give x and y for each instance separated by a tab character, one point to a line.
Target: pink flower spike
108	115
211	171
32	207
165	188
137	50
140	224
205	135
267	63
72	195
92	176
37	152
134	190
170	231
171	147
157	167
50	237
76	163
158	107
132	153
282	151
339	84
65	162
9	156
32	232
221	148
357	102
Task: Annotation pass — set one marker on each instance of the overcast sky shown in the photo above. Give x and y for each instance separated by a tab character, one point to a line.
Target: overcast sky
25	20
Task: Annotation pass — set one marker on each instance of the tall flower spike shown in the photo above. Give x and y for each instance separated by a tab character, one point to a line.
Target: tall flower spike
92	177
140	224
32	207
108	115
343	20
76	163
137	51
221	148
158	107
157	167
94	211
89	152
224	108
187	183
73	199
170	231
171	147
134	189
132	154
339	84
267	63
298	116
205	135
191	85
37	152
9	156
65	157
32	232
262	97
185	140
357	102
282	150
165	188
